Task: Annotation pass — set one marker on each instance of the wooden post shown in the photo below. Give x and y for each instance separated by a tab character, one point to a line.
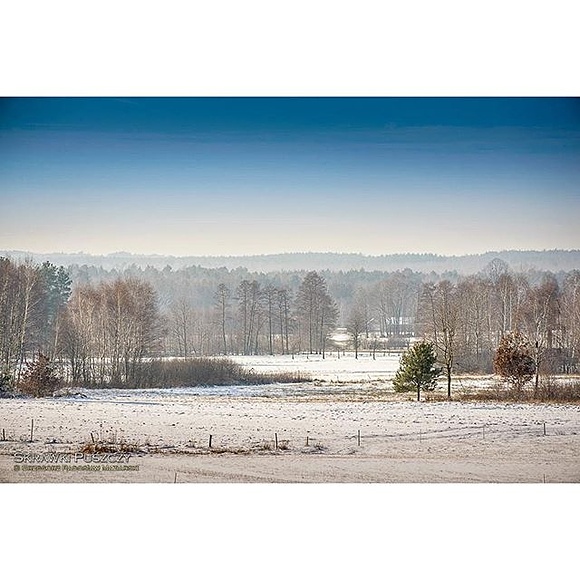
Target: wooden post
276	439
358	437
31	430
210	440
175	478
3	434
92	437
307	444
544	429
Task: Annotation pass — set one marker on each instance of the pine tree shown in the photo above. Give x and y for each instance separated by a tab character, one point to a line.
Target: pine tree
417	370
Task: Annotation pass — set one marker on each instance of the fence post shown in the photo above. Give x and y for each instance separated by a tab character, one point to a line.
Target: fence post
31	430
544	429
307	441
276	439
358	437
210	440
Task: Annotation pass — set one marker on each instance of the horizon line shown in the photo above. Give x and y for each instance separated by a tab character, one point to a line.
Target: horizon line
122	253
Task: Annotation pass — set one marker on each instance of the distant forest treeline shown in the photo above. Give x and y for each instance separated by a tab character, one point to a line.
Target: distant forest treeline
517	260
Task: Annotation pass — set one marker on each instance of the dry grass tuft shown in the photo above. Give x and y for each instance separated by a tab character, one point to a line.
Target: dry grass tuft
107	447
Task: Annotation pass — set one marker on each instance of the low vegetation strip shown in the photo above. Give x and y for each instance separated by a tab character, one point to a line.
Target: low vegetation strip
206	371
43	379
548	390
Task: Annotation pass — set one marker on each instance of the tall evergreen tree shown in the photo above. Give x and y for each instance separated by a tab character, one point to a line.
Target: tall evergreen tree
56	292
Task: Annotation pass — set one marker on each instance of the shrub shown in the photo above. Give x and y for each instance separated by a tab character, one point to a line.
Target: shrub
41	378
551	390
513	361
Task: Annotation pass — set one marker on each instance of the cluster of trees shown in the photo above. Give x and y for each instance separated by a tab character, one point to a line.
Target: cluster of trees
255	319
108	330
502	322
467	320
513	362
32	299
103	324
103	332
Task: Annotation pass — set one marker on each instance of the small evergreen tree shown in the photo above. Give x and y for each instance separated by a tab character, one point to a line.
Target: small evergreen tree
514	361
417	370
5	384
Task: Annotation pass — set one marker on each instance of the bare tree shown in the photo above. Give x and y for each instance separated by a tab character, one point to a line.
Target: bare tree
22	314
9	317
80	336
284	318
395	303
316	311
570	313
222	305
248	295
270	294
182	320
356	325
474	341
440	316
541	320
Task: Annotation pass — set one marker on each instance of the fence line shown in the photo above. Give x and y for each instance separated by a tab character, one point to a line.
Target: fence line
358	436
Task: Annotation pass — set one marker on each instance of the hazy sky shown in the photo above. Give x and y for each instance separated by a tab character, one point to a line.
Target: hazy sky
233	176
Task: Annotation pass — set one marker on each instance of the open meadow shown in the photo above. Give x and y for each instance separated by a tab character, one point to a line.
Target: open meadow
345	425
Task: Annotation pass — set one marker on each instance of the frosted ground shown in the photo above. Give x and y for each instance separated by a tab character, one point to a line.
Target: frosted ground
344	426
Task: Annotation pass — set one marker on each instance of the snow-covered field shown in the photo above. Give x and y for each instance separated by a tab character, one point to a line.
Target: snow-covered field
332	368
317	426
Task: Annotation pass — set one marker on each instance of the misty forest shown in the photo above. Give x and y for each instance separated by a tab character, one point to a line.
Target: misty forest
91	326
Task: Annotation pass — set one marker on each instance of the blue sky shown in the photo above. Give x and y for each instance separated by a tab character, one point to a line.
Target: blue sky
206	176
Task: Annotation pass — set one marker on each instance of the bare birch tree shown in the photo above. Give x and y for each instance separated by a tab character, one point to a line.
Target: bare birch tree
440	316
